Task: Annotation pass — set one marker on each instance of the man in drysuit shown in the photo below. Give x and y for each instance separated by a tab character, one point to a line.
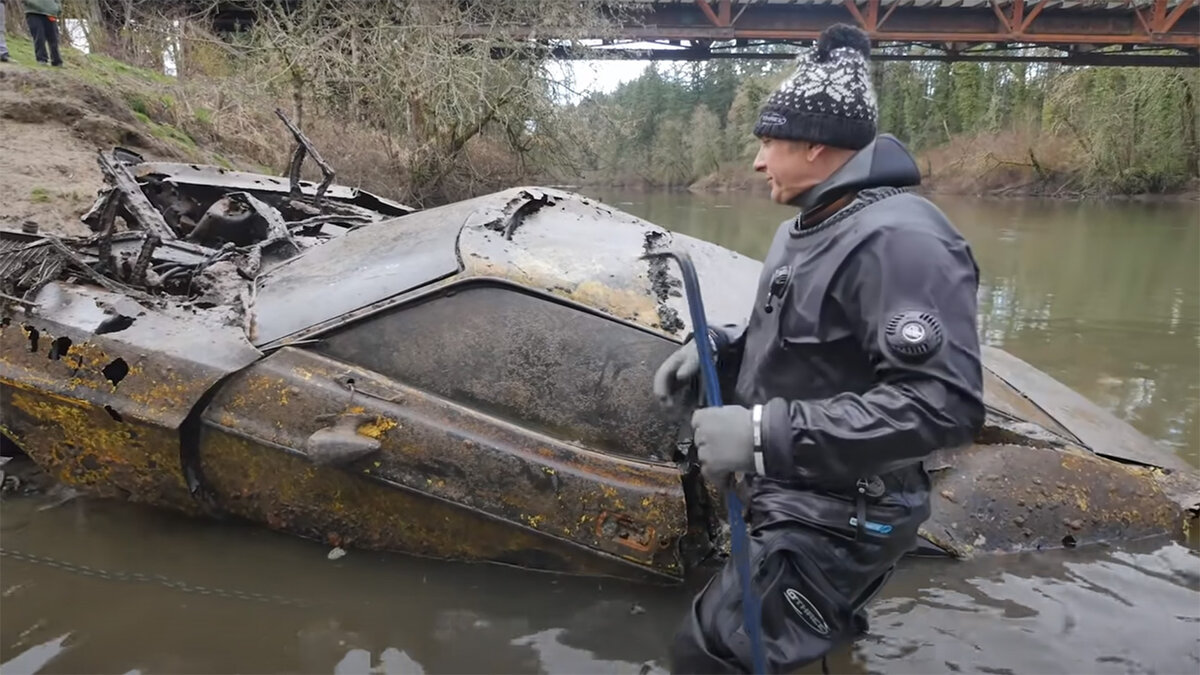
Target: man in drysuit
860	358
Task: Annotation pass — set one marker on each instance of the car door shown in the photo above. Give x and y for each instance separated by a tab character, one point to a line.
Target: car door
508	426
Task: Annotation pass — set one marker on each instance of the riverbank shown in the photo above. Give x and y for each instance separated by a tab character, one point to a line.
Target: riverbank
943	182
54	120
992	165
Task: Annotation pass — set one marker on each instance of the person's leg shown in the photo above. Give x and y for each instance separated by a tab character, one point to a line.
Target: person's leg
695	648
801	582
3	42
37	30
52	41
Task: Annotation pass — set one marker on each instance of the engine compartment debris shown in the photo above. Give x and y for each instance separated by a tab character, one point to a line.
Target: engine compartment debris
190	235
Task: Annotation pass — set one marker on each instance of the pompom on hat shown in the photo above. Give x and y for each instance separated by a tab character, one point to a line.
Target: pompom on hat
828	98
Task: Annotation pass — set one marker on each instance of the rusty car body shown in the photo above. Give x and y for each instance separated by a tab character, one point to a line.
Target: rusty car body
465	382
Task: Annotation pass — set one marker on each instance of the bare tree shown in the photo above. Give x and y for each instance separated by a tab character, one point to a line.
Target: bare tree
435	75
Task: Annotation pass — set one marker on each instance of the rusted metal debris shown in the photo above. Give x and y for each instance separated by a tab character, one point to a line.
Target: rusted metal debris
141	212
27	262
303	145
187	234
517	209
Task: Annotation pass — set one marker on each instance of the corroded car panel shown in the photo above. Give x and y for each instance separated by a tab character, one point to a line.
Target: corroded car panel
524	358
355	270
1000	498
458	467
1000	397
339	508
96	388
543	248
1095	428
546	240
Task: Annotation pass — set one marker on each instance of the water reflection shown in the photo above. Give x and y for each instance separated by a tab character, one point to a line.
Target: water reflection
245	600
164	593
1102	296
1053	612
35	658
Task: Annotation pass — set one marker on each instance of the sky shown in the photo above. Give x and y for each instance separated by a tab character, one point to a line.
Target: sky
601	76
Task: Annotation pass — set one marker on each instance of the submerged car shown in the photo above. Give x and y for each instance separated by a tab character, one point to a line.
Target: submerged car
465	382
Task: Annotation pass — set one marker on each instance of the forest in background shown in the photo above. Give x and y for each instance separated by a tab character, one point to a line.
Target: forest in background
986	128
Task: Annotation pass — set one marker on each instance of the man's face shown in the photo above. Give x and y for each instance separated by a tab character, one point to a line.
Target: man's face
790	167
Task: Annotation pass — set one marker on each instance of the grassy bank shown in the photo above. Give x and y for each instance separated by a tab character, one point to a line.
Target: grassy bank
53	120
993	164
410	115
104	102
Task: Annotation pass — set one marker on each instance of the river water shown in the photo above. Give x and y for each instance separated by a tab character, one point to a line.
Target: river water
1105	297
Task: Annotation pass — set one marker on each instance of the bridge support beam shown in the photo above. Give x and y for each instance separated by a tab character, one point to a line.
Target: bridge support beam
1166	23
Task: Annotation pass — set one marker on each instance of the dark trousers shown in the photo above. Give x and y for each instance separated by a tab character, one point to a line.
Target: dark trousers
45	33
813	574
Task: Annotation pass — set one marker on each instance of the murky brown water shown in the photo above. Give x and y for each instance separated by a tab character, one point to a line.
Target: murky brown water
1106	298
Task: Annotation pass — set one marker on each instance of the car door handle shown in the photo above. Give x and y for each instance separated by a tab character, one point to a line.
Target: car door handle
340	443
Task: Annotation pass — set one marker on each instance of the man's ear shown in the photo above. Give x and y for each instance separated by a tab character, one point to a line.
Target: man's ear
814	151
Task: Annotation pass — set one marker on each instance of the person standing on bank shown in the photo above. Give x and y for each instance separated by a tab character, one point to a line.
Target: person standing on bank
3	40
860	357
42	17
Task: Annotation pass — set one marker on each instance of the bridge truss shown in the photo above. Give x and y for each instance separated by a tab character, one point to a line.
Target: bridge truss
1082	32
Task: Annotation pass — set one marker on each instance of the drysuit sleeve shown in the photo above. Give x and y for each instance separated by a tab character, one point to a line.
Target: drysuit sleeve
909	297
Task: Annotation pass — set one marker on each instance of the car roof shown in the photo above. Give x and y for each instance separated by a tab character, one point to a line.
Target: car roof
547	240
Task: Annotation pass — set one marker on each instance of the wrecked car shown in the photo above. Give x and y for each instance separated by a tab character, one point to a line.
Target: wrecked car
465	382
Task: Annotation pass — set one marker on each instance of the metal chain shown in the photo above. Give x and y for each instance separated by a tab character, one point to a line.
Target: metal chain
139	577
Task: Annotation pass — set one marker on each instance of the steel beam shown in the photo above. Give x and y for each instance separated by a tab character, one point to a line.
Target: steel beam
1176	14
1045	23
1176	59
1163	24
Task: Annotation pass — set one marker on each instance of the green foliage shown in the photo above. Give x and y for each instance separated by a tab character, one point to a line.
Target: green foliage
167	132
139	106
673	124
704	141
1134	128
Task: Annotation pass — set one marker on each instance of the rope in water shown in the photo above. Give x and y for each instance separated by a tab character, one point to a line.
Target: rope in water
139	577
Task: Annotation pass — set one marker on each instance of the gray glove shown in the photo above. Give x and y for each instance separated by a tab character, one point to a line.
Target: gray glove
724	441
677	376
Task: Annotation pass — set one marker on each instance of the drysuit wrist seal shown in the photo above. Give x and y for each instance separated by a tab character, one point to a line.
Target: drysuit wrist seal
756	424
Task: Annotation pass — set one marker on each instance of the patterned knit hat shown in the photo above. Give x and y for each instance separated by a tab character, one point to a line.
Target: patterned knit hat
828	99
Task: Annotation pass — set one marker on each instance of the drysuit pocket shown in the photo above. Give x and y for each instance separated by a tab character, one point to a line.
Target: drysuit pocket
803	615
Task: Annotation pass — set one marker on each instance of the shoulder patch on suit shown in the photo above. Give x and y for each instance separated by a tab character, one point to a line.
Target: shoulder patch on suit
914	336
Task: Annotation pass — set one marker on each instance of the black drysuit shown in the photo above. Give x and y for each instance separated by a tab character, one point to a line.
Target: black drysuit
862	351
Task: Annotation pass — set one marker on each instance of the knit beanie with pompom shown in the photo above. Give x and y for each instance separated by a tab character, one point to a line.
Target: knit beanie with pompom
828	99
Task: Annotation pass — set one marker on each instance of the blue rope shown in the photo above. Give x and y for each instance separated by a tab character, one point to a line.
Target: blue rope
751	609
